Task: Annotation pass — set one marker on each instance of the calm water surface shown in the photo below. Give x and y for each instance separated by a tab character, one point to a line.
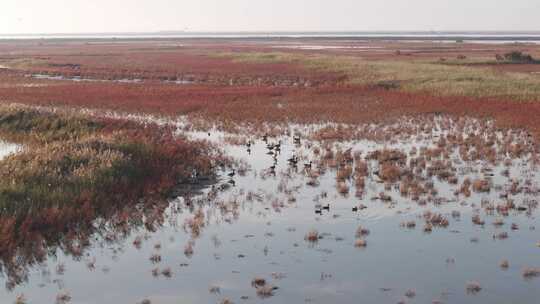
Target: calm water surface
7	148
256	228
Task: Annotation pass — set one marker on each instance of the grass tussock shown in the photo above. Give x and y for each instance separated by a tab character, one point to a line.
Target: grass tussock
312	236
25	124
473	287
73	173
75	169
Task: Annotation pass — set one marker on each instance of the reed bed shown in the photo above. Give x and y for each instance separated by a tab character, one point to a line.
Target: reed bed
75	169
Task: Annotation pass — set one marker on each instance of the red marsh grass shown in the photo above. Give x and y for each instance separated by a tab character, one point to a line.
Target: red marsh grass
70	165
77	168
360	243
312	236
255	84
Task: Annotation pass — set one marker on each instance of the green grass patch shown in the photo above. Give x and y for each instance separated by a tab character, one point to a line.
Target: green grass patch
413	76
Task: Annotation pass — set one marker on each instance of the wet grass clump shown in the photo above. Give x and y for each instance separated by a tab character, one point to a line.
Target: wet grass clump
24	124
74	169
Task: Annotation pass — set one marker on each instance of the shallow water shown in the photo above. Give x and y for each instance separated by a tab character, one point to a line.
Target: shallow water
328	47
482	36
81	79
7	148
256	228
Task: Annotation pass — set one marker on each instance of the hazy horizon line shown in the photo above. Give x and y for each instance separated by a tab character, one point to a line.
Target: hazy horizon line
279	32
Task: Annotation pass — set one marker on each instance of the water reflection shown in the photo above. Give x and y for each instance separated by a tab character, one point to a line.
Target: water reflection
253	225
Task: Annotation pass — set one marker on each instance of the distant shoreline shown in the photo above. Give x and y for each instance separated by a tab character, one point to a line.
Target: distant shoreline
525	36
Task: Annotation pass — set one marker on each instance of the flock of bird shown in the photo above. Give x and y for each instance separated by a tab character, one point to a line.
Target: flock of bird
274	150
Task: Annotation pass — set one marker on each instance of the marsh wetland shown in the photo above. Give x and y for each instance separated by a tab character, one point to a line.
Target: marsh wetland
269	179
413	210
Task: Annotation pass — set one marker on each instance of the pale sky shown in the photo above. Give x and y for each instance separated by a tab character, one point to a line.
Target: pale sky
76	16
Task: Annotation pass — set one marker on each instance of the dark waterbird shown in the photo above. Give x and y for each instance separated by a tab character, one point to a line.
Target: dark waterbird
293	160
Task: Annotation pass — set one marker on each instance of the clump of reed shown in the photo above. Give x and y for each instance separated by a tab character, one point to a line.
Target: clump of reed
258	281
344	173
390	172
188	249
362	232
477	220
481	185
312	236
465	188
21	123
342	188
473	287
195	224
435	219
530	272
137	242
263	289
20	299
63	298
383	156
76	168
360	243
